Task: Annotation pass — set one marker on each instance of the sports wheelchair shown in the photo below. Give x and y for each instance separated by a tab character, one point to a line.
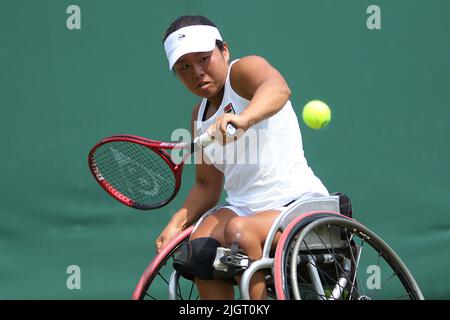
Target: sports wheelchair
322	254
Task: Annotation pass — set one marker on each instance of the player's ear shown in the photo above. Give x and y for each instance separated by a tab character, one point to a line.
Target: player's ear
226	51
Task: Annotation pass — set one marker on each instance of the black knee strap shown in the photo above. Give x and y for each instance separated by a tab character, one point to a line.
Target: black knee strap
195	258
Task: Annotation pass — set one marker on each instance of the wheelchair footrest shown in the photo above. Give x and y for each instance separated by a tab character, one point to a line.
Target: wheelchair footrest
229	263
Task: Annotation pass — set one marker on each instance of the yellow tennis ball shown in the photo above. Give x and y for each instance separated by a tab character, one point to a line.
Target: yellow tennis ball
316	114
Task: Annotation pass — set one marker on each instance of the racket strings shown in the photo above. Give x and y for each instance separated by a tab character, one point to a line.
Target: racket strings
137	172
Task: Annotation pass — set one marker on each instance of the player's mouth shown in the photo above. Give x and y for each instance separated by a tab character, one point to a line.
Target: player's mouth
203	85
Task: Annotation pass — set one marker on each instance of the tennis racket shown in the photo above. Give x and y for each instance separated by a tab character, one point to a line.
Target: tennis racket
140	172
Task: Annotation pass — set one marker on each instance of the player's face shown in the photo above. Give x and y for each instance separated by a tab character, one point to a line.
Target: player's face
204	73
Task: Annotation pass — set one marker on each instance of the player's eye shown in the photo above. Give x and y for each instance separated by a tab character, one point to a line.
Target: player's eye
183	66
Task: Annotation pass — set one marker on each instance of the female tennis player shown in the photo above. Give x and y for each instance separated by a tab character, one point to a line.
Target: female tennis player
267	171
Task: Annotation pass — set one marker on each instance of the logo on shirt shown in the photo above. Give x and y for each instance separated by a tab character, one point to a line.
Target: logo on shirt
229	109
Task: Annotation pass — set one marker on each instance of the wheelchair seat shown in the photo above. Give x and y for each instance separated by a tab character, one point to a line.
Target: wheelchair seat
300	207
326	237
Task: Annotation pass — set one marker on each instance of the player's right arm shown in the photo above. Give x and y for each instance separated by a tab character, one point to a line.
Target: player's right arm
204	194
206	191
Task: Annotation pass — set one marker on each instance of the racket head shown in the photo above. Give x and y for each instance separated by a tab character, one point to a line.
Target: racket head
138	172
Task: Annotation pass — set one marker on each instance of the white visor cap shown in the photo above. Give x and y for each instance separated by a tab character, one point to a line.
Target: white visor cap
198	38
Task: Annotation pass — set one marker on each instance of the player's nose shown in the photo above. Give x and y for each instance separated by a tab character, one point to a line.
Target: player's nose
199	72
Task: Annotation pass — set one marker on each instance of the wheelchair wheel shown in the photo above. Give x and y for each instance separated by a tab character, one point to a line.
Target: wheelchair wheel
335	257
160	282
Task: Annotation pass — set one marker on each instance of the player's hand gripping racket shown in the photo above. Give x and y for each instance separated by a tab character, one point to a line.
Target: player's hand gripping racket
140	172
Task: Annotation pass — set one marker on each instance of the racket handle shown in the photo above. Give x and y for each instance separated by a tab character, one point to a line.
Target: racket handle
205	139
231	129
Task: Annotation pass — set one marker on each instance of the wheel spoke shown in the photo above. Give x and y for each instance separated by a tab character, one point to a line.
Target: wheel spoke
159	279
162	277
332	246
356	265
192	289
151	297
179	291
324	273
344	273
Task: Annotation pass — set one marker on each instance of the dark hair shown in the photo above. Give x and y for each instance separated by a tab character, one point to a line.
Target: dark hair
185	21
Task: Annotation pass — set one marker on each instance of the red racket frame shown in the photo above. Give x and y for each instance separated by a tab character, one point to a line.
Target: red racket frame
156	146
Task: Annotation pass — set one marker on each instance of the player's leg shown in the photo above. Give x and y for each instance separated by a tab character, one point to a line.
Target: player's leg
253	232
213	227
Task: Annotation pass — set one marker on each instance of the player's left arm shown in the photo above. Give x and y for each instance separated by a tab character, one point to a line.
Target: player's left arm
254	79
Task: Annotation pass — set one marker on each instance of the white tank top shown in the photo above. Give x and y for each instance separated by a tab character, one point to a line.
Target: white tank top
271	171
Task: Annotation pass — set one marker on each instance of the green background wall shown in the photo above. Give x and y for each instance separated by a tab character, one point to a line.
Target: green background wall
62	90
